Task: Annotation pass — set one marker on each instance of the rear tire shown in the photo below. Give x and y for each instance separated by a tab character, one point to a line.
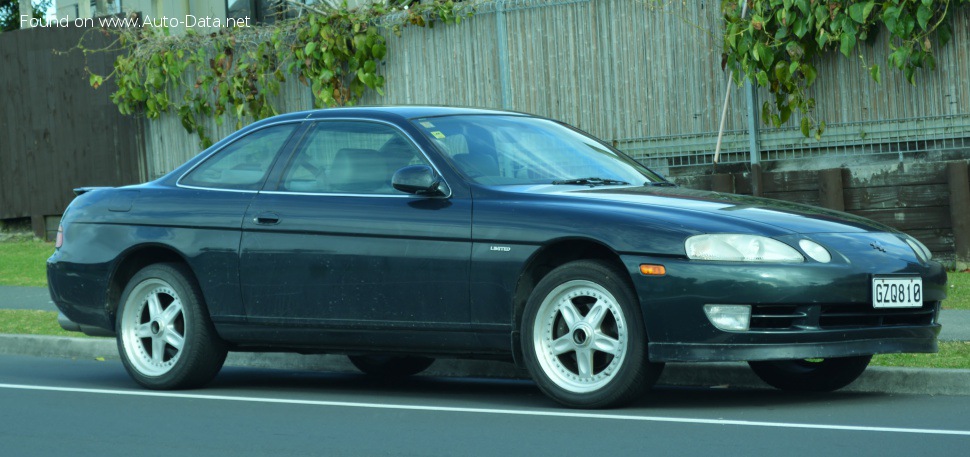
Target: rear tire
583	337
811	376
387	366
165	336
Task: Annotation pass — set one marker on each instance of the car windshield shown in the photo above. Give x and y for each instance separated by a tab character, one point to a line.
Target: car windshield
508	150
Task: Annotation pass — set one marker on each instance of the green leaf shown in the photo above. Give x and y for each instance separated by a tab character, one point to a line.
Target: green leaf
379	51
762	78
890	16
859	12
899	57
908	24
310	47
874	72
823	39
821	15
810	73
781	71
800	28
782	33
923	15
806	126
848	43
944	33
785	114
803	6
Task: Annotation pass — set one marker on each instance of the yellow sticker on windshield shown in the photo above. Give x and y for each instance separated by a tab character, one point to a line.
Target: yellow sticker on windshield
427	125
438	135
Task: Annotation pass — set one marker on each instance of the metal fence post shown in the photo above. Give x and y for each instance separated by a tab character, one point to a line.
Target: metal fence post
503	54
754	146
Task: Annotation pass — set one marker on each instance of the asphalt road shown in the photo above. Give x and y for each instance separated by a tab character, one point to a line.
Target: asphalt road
72	407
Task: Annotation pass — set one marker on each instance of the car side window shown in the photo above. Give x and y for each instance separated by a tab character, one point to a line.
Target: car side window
349	157
242	165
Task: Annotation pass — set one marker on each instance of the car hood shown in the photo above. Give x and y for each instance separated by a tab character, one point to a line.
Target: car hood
787	216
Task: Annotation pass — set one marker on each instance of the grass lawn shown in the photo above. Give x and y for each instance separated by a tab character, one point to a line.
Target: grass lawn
24	263
31	322
953	354
957	291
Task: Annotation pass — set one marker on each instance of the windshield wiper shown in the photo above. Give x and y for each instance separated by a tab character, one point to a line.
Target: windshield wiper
590	182
659	184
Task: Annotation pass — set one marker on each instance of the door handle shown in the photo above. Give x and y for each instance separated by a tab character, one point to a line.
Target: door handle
267	218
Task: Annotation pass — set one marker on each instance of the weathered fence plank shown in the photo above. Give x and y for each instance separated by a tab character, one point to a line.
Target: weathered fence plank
959	184
900	196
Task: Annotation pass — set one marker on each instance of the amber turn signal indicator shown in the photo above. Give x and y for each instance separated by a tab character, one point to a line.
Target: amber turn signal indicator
652	270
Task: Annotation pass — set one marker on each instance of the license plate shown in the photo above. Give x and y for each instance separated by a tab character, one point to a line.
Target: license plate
897	292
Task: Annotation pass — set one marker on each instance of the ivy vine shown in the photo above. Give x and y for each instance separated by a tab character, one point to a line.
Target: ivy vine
235	72
776	44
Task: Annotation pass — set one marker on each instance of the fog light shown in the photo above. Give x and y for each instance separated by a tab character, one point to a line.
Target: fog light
729	317
815	251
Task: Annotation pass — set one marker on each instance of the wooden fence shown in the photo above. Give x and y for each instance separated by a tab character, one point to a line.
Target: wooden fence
930	201
56	133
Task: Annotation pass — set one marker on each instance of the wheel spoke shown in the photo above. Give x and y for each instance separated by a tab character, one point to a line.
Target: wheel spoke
158	350
174	339
144	330
570	314
563	345
172	312
596	314
584	361
154	306
604	343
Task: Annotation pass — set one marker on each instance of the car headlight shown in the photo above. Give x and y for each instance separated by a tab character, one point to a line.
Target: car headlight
922	252
740	248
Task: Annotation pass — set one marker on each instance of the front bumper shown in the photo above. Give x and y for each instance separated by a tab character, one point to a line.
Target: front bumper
800	311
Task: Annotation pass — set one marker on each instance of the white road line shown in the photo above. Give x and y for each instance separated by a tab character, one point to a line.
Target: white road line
512	412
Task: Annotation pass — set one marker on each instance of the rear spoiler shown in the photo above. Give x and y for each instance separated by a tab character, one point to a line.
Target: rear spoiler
83	190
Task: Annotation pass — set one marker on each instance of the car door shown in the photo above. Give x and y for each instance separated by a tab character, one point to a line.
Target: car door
203	217
333	245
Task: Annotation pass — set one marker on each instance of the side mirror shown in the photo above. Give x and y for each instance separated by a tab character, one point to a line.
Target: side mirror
418	180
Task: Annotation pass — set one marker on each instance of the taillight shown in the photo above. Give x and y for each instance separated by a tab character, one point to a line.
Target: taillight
59	241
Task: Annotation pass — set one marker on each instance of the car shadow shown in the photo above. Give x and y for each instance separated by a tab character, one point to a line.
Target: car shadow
495	393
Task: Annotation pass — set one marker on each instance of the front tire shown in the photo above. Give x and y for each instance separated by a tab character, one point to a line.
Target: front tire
824	375
583	337
165	336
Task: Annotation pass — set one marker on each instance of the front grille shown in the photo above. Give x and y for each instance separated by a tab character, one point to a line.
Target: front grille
829	317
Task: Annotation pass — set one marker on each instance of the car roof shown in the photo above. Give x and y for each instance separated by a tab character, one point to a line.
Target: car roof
398	112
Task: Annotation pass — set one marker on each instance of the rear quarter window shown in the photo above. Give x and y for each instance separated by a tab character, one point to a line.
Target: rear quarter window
243	164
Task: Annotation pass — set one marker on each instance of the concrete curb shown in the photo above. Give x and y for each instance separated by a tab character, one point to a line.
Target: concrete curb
737	375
